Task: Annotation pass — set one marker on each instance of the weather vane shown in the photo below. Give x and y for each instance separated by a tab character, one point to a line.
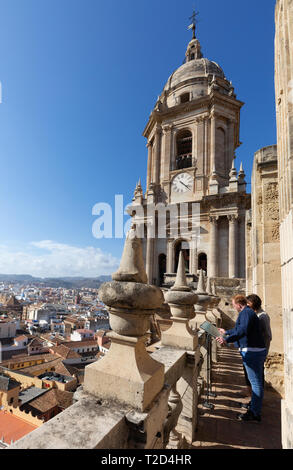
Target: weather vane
193	24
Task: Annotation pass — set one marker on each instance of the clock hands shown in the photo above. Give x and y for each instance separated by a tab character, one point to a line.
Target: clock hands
185	185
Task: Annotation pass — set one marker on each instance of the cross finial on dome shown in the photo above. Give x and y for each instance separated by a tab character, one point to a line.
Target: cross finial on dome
193	24
193	50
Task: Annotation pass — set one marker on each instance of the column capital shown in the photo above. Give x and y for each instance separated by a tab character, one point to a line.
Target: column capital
232	120
158	130
233	218
201	119
213	219
167	128
213	115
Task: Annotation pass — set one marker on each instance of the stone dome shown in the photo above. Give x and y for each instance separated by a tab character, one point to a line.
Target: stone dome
196	68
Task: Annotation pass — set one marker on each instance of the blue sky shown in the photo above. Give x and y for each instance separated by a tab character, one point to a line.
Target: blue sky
79	80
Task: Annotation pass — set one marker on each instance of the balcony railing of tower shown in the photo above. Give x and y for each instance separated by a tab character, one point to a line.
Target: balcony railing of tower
183	161
133	399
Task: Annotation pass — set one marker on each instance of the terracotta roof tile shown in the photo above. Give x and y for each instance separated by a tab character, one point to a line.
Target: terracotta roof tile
45	402
13	428
65	352
80	344
64	398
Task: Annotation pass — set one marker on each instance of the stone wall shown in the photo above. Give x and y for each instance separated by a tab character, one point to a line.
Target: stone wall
263	248
226	289
284	107
25	380
25	415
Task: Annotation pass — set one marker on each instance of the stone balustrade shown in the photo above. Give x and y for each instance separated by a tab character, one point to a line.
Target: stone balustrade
132	399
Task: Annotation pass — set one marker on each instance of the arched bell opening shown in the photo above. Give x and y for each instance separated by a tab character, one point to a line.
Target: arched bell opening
184	150
203	262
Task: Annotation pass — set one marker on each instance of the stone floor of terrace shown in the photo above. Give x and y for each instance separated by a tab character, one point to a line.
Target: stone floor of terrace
219	428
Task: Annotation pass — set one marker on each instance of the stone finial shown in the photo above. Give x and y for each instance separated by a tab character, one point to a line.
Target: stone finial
241	179
181	282
200	286
241	174
131	266
181	300
209	287
233	172
203	302
214	172
213	182
128	373
233	181
214	289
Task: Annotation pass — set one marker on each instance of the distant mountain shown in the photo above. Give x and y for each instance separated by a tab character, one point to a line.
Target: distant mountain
66	282
16	277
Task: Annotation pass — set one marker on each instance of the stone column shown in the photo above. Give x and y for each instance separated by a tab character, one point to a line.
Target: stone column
166	157
200	145
233	231
213	261
127	373
193	258
170	252
231	146
213	142
150	259
241	247
157	156
149	168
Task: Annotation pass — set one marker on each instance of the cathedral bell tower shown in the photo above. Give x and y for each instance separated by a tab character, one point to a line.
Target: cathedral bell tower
192	134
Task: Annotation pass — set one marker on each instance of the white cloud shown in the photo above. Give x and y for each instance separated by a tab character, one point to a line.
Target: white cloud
47	258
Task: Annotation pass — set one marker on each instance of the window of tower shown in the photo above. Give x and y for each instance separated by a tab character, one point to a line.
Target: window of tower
185	98
184	150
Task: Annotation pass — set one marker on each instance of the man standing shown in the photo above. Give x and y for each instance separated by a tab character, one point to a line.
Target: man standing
254	302
248	337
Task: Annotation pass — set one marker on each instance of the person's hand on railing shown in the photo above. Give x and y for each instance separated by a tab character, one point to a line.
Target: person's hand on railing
223	332
220	339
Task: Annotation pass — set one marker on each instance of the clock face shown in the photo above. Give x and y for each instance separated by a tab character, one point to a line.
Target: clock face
182	183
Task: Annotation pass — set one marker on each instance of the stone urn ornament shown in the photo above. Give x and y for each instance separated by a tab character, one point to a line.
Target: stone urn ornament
203	302
128	373
215	300
181	300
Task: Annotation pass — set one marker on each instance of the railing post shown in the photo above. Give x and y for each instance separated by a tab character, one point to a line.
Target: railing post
172	438
181	300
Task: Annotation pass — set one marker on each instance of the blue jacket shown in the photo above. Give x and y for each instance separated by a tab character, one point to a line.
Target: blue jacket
247	333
